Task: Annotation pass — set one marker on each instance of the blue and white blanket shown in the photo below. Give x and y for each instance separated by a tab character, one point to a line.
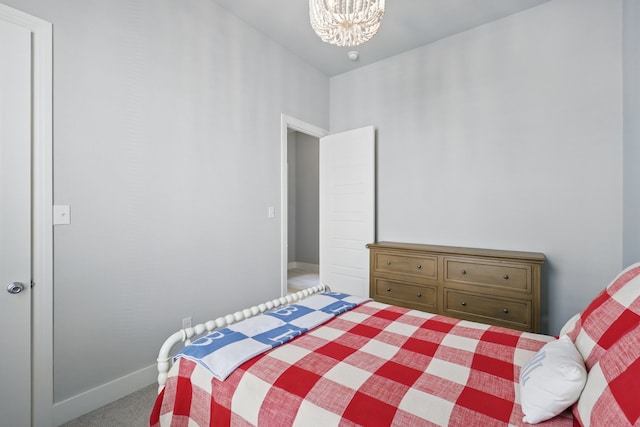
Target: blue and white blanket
223	350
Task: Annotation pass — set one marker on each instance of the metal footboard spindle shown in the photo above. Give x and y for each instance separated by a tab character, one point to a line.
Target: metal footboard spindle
185	335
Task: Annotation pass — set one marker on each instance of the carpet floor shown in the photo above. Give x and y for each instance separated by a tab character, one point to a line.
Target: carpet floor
299	279
130	411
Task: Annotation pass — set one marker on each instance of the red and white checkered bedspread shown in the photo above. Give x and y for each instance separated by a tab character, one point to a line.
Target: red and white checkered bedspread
377	365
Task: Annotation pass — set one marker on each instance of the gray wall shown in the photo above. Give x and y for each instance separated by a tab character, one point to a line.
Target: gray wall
631	52
167	149
506	136
303	198
291	195
307	199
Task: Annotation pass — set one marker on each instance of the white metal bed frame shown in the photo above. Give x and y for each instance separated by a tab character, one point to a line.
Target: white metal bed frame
185	335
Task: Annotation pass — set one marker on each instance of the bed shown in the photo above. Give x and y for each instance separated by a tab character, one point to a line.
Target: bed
381	365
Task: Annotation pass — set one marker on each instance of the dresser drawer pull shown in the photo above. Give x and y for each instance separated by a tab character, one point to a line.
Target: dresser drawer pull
505	277
505	310
388	289
419	267
419	294
463	303
463	272
388	262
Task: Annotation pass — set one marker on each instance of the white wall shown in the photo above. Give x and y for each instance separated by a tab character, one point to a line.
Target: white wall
506	136
631	52
167	149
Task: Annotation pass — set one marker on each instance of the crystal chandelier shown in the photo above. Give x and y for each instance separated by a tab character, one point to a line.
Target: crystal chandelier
346	22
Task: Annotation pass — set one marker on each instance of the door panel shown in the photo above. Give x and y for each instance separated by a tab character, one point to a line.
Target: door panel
15	223
347	209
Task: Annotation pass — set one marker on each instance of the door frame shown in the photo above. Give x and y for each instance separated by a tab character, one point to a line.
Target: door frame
289	123
42	196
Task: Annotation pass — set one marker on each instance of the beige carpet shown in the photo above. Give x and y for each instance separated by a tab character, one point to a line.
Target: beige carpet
301	279
130	411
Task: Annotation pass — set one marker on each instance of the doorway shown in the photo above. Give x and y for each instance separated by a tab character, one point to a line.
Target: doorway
303	267
299	224
346	205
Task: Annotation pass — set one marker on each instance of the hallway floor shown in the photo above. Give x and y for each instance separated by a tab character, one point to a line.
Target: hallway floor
299	278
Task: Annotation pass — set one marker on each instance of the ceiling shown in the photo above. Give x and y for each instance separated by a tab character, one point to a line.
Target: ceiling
406	25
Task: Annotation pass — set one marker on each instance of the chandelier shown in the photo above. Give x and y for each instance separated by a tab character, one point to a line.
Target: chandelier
346	22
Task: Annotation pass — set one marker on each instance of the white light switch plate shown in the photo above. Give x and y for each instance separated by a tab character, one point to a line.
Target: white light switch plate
61	215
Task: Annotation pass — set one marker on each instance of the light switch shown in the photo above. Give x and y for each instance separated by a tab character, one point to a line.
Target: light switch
61	215
271	212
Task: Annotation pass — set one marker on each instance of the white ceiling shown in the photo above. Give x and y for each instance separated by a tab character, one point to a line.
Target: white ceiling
407	24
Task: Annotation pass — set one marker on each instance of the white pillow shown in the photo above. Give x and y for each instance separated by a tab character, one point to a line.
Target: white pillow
551	381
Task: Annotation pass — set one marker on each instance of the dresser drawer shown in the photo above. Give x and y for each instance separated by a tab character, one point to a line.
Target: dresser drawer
488	309
407	295
512	277
422	266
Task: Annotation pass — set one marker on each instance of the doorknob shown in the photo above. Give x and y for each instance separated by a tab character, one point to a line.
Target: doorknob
15	287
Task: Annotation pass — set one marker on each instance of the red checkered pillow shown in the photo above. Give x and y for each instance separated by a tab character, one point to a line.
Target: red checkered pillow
610	397
609	316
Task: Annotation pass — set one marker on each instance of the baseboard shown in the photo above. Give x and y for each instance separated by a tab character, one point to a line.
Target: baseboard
104	394
305	266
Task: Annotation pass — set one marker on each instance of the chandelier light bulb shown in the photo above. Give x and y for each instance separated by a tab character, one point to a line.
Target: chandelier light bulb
346	22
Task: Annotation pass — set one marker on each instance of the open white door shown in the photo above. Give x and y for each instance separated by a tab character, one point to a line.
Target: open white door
347	209
15	224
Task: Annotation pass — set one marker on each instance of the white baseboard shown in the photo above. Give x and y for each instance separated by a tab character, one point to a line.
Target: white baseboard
104	394
305	266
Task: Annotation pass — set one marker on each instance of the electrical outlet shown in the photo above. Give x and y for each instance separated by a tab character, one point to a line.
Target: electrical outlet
186	322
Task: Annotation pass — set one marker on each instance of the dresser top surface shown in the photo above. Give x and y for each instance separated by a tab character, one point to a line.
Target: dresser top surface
456	250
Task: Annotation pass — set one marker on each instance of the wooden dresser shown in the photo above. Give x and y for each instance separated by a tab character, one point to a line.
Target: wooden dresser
484	285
